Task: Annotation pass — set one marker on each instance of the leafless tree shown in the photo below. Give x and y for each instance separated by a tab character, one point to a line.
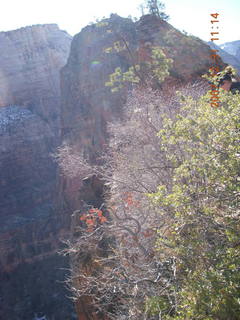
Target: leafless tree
115	266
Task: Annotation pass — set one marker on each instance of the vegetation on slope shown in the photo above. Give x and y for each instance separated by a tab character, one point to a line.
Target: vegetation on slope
164	244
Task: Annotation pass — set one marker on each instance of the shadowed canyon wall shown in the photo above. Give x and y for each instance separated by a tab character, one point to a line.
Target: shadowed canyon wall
30	268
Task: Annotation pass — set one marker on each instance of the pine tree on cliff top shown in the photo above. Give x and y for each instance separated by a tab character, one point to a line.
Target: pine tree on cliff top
156	7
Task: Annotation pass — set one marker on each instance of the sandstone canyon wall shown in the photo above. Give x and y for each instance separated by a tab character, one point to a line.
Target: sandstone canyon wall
30	61
30	268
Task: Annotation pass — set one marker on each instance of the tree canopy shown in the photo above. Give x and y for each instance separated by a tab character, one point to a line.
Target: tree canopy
170	223
156	7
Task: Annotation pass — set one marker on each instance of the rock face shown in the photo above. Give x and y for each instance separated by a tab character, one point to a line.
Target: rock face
28	174
87	104
30	61
31	226
232	48
191	56
226	57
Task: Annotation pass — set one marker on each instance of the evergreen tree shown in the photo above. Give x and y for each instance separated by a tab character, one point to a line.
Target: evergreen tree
156	7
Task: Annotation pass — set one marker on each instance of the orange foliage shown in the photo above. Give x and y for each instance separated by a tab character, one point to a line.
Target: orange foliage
92	218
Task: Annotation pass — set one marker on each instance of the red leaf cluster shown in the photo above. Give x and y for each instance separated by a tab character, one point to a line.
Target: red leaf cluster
92	218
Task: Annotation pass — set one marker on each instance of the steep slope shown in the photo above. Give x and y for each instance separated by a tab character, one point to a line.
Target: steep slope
29	226
226	57
27	173
232	47
30	60
87	104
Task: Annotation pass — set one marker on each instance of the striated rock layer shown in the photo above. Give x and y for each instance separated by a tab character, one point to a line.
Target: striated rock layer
31	224
30	61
